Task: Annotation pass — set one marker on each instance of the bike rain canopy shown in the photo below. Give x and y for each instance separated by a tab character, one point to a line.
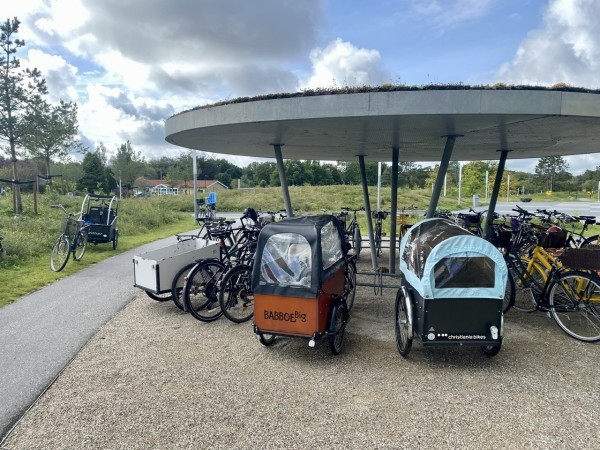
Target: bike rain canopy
295	255
441	259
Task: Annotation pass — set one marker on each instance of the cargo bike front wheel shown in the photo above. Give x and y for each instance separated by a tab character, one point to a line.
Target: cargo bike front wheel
337	326
404	321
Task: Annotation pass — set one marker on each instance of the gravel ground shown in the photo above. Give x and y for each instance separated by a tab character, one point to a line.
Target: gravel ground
155	378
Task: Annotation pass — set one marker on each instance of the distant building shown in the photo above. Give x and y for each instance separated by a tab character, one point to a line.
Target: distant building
160	187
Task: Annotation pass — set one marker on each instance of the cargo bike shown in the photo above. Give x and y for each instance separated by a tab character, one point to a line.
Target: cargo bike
303	281
100	214
452	289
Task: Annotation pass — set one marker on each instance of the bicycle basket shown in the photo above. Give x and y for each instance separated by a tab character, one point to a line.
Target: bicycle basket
587	258
555	237
69	227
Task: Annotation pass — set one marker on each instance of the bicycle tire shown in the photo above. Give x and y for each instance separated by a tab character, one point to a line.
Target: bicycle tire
60	253
80	244
357	240
574	300
115	241
591	240
159	297
235	297
378	238
509	293
350	284
201	290
337	326
178	283
403	326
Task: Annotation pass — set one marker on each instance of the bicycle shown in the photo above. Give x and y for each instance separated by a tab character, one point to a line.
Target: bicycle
571	296
352	230
575	238
73	239
202	283
379	217
404	222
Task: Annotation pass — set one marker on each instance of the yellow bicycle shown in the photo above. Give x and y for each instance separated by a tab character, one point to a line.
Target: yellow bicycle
563	283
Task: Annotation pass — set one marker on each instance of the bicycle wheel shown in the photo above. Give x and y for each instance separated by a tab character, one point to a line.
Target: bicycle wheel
528	287
378	238
350	284
115	241
60	254
356	240
158	297
509	294
201	290
178	283
592	240
80	244
235	297
266	339
337	325
403	328
574	300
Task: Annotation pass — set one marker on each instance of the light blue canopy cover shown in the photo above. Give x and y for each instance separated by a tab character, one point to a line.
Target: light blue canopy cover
442	260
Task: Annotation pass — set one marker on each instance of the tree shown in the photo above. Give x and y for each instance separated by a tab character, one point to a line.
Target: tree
20	91
94	174
548	168
55	132
127	164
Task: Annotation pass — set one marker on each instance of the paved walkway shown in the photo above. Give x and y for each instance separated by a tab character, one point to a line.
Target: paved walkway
43	331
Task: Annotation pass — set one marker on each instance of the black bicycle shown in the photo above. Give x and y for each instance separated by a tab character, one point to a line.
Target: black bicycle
73	239
352	229
379	217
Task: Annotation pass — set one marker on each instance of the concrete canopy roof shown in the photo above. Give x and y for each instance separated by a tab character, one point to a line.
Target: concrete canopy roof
529	123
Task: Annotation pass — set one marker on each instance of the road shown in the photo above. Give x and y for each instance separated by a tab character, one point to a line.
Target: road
574	208
43	331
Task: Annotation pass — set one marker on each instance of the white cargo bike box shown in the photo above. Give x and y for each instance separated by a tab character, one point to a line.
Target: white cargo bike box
154	271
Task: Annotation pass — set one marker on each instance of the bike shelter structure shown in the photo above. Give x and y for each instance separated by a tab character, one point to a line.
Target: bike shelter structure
437	125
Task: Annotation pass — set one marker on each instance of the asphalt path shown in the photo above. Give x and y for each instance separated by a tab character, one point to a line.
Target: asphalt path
43	331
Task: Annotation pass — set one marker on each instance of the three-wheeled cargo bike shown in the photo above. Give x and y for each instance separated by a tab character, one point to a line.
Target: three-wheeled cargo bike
303	281
452	289
100	213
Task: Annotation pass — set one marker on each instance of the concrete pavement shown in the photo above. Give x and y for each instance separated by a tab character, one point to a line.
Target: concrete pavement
43	331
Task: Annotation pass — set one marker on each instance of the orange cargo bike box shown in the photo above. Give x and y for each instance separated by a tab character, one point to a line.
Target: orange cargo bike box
302	280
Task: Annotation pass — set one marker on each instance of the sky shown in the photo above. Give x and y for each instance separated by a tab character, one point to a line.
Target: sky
131	64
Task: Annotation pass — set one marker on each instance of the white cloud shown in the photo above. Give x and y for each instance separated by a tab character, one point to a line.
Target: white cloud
566	49
60	76
342	64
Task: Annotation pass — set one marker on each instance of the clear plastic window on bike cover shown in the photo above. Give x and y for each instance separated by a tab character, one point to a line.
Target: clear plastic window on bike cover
331	245
286	261
464	272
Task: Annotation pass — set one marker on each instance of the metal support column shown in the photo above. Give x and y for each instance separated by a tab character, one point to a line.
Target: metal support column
195	170
439	182
495	193
363	178
394	210
283	180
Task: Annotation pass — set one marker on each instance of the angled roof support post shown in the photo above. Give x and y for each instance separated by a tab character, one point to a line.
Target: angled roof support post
363	179
394	209
495	193
439	182
283	180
